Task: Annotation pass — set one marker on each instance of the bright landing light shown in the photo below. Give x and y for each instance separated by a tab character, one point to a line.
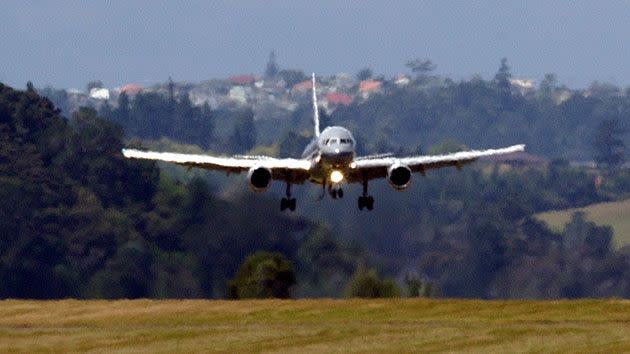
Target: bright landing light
336	176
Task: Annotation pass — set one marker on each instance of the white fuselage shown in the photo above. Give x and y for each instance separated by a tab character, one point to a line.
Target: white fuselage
332	150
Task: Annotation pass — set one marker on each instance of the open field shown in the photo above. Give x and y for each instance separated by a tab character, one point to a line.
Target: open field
614	214
315	325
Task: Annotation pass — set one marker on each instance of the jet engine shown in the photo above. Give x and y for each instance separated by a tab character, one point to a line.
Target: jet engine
399	176
259	178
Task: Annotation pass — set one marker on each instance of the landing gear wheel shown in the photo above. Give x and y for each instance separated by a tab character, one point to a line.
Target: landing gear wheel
340	193
287	203
333	193
292	204
366	202
370	203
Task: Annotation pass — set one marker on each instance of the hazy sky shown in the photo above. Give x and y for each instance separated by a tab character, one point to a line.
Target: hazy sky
68	43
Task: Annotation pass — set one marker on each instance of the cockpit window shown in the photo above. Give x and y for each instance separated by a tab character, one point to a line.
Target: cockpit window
331	141
346	141
336	141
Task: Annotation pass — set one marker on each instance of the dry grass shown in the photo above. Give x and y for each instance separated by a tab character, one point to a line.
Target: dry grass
315	325
614	214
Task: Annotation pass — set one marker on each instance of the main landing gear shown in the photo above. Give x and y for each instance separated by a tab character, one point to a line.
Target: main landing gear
335	192
366	201
288	202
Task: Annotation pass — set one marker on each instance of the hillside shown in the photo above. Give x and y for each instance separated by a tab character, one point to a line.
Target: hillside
613	214
315	325
81	221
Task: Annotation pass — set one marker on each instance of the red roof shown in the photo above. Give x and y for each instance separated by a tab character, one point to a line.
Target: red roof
338	98
369	85
242	79
303	86
131	89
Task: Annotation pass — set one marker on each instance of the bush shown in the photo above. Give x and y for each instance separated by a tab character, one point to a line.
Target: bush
263	275
416	287
367	284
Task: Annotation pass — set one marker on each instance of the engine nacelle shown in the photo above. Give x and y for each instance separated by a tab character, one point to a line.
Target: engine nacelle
259	178
399	176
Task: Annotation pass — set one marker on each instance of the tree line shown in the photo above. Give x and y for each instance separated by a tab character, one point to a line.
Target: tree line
82	221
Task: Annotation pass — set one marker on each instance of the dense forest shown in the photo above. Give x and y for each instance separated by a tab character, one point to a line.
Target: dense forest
79	220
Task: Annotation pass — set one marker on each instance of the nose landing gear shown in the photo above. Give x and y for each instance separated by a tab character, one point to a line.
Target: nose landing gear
335	192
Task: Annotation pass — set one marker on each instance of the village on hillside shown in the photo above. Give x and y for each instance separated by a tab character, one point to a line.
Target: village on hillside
276	93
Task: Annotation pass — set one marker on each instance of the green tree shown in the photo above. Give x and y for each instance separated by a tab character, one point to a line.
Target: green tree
502	80
263	275
291	144
244	135
548	86
416	287
585	239
325	263
94	84
123	115
364	74
126	275
367	284
292	77
608	144
421	67
447	146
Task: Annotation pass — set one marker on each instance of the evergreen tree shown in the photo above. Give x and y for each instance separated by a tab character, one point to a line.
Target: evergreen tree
94	84
244	135
123	115
272	69
364	74
504	87
608	144
421	67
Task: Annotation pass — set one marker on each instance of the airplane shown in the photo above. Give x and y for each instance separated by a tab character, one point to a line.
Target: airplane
328	160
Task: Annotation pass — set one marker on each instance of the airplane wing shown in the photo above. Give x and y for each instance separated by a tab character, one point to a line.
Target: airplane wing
371	168
290	170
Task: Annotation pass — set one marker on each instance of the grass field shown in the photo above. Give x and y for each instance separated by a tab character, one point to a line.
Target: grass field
615	214
315	325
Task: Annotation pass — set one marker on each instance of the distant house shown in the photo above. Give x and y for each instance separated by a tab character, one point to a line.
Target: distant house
368	87
238	94
242	80
401	80
337	98
99	93
302	87
560	97
131	89
343	81
524	86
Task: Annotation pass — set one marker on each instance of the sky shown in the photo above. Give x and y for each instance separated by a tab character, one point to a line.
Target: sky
66	44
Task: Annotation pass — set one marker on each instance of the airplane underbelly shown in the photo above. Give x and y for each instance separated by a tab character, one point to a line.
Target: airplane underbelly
339	160
329	162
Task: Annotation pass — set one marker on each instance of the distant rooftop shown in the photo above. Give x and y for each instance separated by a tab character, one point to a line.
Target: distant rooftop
246	79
